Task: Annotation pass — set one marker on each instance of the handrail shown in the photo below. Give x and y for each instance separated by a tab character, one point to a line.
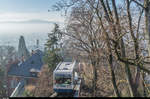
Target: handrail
17	89
77	90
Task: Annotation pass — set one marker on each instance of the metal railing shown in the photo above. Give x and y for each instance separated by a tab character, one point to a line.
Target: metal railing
18	88
77	89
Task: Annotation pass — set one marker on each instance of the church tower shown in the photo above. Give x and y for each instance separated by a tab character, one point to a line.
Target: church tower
22	50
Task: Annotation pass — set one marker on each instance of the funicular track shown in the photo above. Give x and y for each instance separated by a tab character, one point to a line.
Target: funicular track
65	94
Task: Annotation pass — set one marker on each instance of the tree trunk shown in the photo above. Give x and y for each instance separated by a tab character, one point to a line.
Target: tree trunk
136	83
147	23
113	77
144	88
94	77
127	70
147	32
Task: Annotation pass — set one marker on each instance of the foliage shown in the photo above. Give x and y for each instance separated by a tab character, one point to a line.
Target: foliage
52	56
27	94
2	88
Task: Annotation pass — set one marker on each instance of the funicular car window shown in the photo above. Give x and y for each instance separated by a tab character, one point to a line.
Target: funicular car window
63	80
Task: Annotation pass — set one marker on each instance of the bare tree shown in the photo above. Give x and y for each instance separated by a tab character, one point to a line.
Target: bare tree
119	27
86	35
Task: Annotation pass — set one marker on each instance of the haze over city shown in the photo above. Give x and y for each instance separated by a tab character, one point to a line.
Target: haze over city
27	16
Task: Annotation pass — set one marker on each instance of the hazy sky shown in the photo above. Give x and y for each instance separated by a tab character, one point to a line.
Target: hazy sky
18	16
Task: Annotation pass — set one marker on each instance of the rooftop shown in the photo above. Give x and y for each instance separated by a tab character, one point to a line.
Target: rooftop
34	62
65	67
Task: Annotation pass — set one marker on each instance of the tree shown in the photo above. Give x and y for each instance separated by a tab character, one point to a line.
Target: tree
2	88
120	27
7	53
117	32
44	86
52	56
85	36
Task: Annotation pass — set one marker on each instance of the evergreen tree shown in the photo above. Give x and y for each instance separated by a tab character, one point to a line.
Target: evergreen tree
52	46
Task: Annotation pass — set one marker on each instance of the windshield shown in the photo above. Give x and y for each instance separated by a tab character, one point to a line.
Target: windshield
63	80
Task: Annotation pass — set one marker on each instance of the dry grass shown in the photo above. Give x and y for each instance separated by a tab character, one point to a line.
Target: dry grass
87	74
104	85
30	87
44	87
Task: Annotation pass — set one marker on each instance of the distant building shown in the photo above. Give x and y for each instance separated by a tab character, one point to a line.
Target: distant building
24	70
22	49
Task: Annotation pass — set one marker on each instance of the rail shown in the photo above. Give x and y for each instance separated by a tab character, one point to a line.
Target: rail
77	89
17	90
